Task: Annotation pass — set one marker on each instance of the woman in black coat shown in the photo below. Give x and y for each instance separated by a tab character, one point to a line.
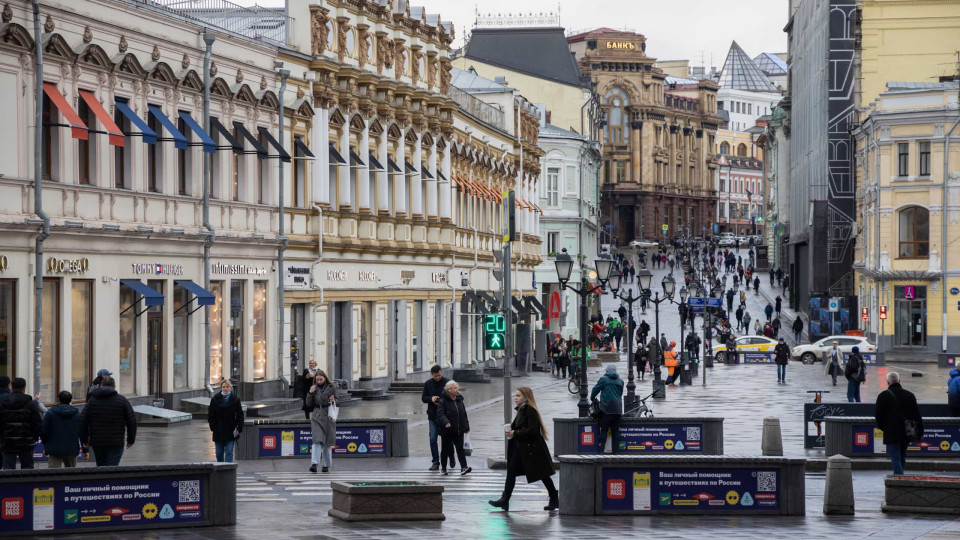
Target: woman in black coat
527	453
225	417
454	424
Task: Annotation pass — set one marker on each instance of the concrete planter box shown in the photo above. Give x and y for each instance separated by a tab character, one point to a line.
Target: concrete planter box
387	501
922	495
605	357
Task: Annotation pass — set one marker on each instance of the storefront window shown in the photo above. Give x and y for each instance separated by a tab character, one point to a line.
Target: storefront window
237	325
181	338
260	330
911	315
417	335
216	338
8	326
127	384
81	337
50	340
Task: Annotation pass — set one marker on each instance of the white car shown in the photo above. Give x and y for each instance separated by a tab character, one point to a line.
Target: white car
727	241
641	243
811	353
745	344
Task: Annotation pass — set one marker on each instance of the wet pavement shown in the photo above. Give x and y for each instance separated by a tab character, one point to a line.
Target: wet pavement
280	495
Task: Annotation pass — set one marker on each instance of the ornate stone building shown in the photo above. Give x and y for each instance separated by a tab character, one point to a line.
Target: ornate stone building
658	142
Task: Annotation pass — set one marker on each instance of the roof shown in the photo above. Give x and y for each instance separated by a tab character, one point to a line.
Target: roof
771	64
740	73
471	83
551	131
540	52
682	81
893	86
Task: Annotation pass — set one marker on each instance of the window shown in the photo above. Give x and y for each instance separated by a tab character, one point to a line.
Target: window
621	171
553	243
553	186
259	330
126	376
120	154
49	138
914	233
153	157
216	329
237	169
297	186
81	336
181	337
725	148
742	150
749	108
8	327
417	335
214	185
903	159
182	157
723	184
86	152
617	116
50	360
925	158
720	105
262	195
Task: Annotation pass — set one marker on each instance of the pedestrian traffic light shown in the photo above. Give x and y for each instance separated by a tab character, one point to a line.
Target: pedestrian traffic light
883	312
864	314
494	332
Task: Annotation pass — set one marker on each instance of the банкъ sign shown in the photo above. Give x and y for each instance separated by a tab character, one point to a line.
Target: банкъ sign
157	268
238	269
621	45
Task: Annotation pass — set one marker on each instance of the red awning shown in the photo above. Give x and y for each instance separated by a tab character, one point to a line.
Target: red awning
116	136
78	128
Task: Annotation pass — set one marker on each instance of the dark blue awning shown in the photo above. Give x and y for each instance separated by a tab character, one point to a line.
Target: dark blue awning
150	296
374	164
178	139
149	136
204	297
208	145
272	141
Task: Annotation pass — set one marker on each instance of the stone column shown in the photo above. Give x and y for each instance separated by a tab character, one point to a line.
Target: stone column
362	204
447	191
383	205
434	185
345	177
636	163
416	181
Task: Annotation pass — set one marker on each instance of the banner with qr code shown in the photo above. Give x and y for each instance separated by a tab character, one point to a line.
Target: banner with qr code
66	506
352	441
646	439
690	489
939	440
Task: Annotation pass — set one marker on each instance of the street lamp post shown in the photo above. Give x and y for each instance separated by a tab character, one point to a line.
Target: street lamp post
564	264
669	284
630	299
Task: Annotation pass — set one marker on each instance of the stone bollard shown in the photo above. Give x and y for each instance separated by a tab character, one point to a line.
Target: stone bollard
771	443
838	492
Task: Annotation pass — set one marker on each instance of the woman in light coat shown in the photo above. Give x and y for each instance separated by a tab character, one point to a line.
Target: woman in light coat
322	394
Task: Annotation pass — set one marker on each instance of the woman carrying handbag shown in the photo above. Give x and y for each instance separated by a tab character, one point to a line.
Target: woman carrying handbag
322	402
527	452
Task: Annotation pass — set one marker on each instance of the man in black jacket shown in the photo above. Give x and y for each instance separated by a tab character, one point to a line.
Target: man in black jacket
782	352
20	427
894	407
432	389
103	421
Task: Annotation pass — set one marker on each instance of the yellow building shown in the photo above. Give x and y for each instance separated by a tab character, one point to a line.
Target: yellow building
906	260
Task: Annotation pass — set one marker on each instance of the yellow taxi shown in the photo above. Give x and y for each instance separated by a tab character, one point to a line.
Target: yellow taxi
745	344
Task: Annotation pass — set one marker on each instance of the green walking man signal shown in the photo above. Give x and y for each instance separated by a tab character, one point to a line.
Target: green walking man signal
494	332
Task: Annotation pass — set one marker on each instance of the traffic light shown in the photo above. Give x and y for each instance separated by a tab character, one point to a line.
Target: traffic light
883	312
494	332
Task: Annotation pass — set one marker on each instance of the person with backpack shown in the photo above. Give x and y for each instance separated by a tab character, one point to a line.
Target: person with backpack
898	415
60	433
856	374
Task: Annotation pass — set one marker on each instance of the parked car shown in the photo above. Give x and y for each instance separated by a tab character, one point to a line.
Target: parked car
745	344
727	240
641	243
813	352
757	240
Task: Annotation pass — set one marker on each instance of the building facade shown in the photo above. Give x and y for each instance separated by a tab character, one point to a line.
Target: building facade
908	217
658	143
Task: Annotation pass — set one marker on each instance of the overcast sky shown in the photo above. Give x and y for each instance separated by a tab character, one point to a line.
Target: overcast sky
675	29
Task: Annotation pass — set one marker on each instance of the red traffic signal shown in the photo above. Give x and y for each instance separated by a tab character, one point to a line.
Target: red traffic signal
864	314
883	312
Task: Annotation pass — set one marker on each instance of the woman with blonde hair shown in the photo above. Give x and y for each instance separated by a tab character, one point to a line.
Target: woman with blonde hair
527	452
323	428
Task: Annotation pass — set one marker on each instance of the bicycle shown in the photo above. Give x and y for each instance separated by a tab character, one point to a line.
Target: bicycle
573	385
640	409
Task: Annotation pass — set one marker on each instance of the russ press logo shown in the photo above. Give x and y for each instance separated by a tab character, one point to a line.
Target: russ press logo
616	489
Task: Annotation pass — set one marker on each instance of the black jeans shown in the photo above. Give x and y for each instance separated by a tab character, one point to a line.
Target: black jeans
611	422
449	442
515	469
25	455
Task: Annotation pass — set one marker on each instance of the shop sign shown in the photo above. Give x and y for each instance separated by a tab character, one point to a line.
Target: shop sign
621	45
336	275
407	274
3	263
296	276
438	277
238	269
367	275
64	266
158	269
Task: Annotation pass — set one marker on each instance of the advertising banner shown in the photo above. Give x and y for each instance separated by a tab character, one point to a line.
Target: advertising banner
68	506
868	358
757	358
939	441
298	441
646	439
721	490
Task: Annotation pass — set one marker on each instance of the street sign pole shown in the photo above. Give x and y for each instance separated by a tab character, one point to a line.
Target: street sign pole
507	306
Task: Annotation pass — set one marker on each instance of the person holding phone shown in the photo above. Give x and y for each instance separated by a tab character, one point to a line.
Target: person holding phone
225	417
323	427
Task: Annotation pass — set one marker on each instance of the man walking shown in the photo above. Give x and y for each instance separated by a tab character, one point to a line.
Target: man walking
778	306
856	374
432	389
768	311
103	422
782	352
610	388
797	329
833	363
739	314
61	432
20	426
898	415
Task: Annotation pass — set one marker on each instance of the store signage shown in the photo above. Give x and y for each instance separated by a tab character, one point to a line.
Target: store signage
157	268
909	292
336	275
438	277
953	290
3	263
236	269
296	276
621	45
367	275
407	274
553	312
63	266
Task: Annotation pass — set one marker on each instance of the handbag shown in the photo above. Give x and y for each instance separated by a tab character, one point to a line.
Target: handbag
467	447
595	411
910	427
333	411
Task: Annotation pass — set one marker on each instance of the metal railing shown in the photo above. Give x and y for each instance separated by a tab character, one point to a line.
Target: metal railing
484	112
255	22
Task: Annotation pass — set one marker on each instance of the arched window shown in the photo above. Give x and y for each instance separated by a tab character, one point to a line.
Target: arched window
742	150
725	148
914	233
617	117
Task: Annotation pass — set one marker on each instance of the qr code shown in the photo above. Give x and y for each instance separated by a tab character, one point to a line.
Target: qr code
767	481
376	436
693	434
189	491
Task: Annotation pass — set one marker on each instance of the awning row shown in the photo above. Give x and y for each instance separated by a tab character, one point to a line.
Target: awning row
170	132
151	297
483	302
476	189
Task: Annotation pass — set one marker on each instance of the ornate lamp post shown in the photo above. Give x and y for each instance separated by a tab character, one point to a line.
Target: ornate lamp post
564	264
669	284
629	299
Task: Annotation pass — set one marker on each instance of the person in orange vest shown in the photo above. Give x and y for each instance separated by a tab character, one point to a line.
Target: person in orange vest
670	360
